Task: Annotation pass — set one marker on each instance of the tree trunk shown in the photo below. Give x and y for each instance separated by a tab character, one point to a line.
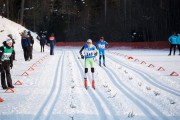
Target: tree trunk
22	11
7	8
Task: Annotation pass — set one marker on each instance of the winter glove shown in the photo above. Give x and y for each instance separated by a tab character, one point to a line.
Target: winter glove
11	66
82	57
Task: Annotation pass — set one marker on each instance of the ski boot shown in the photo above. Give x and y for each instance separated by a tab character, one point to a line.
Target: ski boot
85	83
93	84
100	64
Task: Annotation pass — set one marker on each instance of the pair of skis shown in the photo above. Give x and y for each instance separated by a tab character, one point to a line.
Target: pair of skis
86	84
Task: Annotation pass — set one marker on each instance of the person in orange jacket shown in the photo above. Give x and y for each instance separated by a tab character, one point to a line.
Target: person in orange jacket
52	42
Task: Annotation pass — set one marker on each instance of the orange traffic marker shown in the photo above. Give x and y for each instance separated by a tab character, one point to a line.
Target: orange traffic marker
18	82
151	65
143	62
38	62
25	74
136	60
9	90
161	69
31	69
34	65
174	74
1	100
130	57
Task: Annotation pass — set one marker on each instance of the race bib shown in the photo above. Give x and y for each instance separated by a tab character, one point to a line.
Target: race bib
101	46
6	56
89	53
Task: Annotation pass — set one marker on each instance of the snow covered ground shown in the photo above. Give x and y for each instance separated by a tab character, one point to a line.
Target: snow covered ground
125	89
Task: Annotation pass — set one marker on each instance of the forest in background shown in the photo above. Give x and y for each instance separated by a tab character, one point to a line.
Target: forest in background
78	20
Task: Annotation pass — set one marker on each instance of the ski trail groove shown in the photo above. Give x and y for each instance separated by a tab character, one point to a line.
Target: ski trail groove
144	105
97	99
148	78
49	98
60	78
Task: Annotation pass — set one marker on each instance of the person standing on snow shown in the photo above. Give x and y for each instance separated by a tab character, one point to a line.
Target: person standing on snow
178	42
42	42
90	52
52	41
101	46
6	62
31	39
25	42
173	40
11	37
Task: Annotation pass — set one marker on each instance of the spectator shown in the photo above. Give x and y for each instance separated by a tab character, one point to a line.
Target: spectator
173	40
52	41
25	42
43	41
178	42
31	44
11	37
6	62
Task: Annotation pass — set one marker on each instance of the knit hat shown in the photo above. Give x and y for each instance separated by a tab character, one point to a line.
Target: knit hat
25	32
8	41
9	35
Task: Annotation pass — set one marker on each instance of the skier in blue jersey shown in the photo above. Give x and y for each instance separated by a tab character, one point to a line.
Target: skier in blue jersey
101	46
90	52
173	40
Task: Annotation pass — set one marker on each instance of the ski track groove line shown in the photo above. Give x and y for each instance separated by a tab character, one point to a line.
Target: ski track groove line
40	112
96	100
60	75
138	100
148	78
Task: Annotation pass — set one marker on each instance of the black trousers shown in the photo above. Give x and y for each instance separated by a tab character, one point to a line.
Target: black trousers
26	53
31	52
173	46
5	74
13	55
179	48
51	49
42	48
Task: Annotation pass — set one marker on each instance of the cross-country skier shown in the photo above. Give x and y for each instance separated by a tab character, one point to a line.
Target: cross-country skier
90	52
6	62
101	46
173	40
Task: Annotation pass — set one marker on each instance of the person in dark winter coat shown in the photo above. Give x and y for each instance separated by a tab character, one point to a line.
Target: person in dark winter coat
31	44
25	42
43	42
6	62
52	42
11	37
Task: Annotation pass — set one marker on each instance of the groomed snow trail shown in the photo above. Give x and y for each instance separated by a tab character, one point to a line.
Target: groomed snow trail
55	90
